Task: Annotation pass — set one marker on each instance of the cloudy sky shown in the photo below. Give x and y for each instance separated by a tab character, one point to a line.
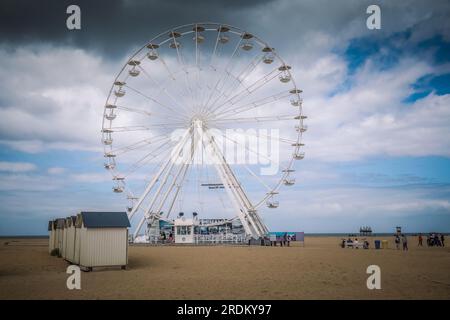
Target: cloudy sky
378	103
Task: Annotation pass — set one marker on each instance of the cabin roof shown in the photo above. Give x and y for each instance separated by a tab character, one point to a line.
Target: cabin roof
60	223
105	219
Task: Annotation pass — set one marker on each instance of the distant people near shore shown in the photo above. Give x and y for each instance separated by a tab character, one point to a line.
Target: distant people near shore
420	244
285	240
397	241
404	242
366	244
435	240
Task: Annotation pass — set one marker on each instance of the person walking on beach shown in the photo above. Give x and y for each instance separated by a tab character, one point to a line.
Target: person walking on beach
442	240
420	240
405	243
397	242
285	239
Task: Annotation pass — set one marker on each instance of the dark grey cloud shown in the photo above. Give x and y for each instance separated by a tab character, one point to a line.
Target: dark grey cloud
115	27
108	25
112	25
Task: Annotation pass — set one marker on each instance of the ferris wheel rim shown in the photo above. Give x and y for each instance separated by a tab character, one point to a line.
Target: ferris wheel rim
237	31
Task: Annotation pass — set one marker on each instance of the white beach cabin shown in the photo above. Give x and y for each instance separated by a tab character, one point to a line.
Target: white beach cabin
59	235
69	239
184	230
76	253
51	235
103	239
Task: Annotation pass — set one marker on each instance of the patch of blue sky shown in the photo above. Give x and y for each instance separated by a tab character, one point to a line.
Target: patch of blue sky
391	171
385	53
71	160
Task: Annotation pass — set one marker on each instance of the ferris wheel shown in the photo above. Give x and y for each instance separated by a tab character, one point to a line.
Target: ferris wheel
181	105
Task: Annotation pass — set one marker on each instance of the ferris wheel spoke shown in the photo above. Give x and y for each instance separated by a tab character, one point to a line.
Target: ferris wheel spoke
249	219
168	161
166	67
159	153
252	105
153	100
257	178
184	68
239	79
215	54
216	44
135	110
254	119
168	126
146	113
249	149
258	84
178	188
165	90
140	144
226	68
290	142
182	168
149	211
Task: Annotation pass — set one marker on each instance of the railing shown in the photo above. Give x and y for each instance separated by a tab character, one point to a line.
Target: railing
219	238
201	239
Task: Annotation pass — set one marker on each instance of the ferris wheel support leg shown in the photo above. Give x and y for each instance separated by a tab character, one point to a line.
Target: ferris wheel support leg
187	158
249	220
139	226
148	211
170	189
234	199
256	220
152	183
170	164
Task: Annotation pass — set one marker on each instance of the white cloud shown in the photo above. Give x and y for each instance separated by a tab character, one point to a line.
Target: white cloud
52	98
56	170
371	119
343	209
92	177
17	166
26	182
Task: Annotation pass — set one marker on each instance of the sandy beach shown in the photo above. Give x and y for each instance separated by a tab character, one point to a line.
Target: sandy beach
320	270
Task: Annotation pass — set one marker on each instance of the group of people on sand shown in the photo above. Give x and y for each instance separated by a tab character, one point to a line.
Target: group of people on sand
401	239
163	237
285	240
433	240
354	243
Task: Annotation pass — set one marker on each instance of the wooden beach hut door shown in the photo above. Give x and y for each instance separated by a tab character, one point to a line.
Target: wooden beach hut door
51	236
64	240
77	245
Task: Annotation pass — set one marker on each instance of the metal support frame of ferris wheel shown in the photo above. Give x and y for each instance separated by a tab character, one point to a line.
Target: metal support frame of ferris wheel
250	219
252	223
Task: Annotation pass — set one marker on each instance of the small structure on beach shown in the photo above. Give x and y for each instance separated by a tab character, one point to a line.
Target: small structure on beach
365	231
184	230
69	239
103	239
51	235
59	234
